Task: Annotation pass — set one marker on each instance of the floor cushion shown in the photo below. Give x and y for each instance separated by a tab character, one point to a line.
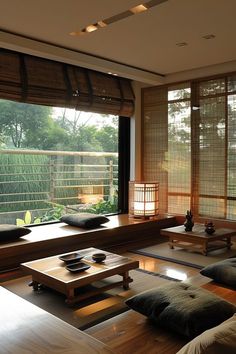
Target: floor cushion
222	272
182	308
218	340
84	220
10	232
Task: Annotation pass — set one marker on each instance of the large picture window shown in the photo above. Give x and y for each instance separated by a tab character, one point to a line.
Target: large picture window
189	146
55	161
64	139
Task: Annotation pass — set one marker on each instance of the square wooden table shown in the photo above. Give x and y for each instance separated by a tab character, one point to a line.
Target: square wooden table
52	272
198	239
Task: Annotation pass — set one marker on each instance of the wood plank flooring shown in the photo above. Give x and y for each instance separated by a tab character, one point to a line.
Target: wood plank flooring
132	332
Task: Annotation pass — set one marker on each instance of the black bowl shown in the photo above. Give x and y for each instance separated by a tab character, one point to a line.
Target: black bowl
77	267
71	257
99	257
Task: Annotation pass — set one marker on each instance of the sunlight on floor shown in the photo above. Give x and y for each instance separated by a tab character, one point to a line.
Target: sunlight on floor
176	274
96	307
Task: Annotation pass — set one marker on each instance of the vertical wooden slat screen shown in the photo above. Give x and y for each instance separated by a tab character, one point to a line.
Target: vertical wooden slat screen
155	141
231	189
31	79
179	148
195	159
212	163
195	118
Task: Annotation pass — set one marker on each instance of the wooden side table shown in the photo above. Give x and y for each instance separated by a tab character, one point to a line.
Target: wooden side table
198	239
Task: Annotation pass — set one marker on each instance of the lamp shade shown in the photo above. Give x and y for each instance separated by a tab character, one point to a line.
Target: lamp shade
143	199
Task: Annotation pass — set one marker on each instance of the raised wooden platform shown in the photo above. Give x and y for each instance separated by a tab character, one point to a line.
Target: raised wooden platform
52	239
25	328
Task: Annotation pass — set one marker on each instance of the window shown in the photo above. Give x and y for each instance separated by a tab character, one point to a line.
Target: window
189	145
55	161
65	147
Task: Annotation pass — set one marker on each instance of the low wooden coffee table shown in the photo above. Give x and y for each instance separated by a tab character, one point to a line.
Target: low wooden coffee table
51	271
198	239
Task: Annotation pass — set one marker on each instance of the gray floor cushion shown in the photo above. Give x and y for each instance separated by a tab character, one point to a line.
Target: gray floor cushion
222	272
183	308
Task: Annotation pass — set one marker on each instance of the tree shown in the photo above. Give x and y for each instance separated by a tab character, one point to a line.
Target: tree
50	137
108	138
18	121
89	137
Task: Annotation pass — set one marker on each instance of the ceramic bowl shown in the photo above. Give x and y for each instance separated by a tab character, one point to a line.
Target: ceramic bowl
99	257
71	257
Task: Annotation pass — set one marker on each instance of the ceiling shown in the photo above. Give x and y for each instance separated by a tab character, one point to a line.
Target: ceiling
146	40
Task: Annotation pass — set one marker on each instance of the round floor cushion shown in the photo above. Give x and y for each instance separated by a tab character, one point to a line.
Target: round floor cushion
182	308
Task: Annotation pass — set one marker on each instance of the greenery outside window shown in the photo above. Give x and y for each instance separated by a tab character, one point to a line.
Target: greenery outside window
55	161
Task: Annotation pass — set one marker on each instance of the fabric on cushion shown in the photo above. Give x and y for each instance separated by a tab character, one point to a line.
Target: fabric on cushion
222	272
218	340
10	232
85	220
182	308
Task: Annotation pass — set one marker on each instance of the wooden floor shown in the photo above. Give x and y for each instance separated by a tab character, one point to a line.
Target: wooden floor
131	332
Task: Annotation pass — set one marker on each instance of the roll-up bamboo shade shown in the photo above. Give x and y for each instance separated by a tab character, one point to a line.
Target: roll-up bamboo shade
31	79
155	141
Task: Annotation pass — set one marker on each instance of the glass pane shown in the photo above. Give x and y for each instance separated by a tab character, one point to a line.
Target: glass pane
179	92
211	207
178	204
232	83
231	185
55	161
179	154
155	149
212	147
212	87
231	211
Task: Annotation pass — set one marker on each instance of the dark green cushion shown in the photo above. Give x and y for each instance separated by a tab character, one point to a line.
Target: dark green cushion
222	272
182	308
84	220
10	232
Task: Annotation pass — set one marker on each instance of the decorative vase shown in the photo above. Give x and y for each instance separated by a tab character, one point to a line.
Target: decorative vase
189	221
209	227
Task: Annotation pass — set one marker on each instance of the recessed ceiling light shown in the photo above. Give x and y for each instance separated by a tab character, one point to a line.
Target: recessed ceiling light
137	9
101	24
121	16
181	44
110	73
209	36
91	28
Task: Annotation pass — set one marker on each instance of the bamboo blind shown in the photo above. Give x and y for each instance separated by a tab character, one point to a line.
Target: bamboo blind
189	146
41	81
155	143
